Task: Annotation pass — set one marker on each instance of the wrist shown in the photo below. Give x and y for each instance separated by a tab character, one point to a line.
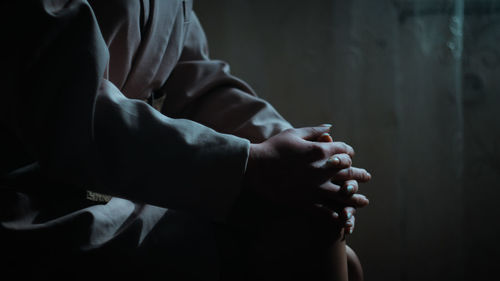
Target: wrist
243	213
251	174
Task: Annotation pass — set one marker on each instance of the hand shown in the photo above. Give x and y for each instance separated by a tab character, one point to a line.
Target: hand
343	210
350	187
293	169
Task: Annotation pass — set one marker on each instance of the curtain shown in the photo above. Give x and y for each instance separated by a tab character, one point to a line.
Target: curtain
414	86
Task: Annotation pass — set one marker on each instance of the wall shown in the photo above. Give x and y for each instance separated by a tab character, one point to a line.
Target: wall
414	87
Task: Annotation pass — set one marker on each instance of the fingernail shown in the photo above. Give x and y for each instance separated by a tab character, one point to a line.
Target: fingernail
351	230
348	224
336	160
326	125
350	188
335	215
349	215
325	137
368	175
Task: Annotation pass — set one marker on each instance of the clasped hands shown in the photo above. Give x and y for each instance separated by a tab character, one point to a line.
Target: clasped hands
300	168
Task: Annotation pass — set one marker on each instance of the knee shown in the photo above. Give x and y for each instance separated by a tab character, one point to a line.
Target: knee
355	271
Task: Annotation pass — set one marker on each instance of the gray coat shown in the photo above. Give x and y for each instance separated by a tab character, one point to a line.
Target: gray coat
86	156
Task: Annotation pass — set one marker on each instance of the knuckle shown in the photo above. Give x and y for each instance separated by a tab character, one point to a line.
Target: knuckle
347	149
350	172
362	200
315	131
341	146
348	160
318	152
357	201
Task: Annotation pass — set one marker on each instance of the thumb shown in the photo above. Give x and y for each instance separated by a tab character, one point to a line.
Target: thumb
312	133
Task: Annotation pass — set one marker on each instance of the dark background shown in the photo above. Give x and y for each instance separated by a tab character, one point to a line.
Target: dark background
414	86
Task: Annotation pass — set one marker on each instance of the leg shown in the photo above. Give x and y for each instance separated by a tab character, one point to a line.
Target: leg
179	247
185	247
354	265
286	244
295	248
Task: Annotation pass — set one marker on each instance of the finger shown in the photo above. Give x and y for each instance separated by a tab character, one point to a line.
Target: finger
352	173
348	213
356	200
347	216
323	150
350	187
311	133
337	162
326	170
349	228
326	222
326	214
330	194
337	147
325	137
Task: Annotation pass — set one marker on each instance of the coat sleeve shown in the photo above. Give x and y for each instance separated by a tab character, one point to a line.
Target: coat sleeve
78	128
203	90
